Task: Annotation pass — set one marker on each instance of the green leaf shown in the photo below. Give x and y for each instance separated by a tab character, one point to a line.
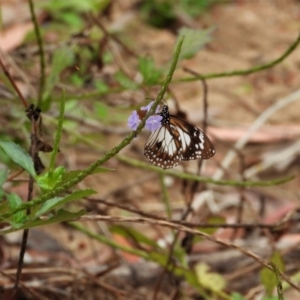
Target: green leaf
268	278
59	7
237	296
58	201
58	132
195	8
180	255
51	179
14	202
2	193
18	155
72	19
62	58
3	176
147	68
212	281
194	40
101	86
125	81
101	110
158	13
61	216
59	176
76	80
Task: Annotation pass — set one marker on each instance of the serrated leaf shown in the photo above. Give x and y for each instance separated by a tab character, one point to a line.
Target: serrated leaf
209	280
18	155
51	179
194	40
268	278
58	176
58	201
147	68
14	202
61	216
125	81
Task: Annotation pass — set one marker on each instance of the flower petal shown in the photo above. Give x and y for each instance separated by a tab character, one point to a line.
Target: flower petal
133	120
153	122
148	107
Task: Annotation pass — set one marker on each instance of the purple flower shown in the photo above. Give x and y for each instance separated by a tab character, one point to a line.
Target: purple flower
147	108
153	122
133	120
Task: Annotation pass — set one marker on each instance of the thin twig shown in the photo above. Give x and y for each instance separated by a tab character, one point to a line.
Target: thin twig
196	232
7	74
33	150
253	128
89	170
20	73
269	65
41	53
278	281
189	202
186	176
108	34
272	226
31	291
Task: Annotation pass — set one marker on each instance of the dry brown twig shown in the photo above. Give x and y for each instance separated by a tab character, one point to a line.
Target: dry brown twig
29	289
16	88
186	229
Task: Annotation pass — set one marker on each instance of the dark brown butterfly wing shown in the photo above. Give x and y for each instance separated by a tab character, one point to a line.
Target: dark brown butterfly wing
194	143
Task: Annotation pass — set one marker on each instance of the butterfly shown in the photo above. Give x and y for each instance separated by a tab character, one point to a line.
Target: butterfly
176	140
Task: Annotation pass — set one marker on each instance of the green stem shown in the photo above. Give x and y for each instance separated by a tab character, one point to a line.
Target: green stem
145	166
58	133
278	281
41	52
271	64
108	241
89	170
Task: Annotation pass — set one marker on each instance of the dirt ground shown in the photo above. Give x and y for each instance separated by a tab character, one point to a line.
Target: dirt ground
246	34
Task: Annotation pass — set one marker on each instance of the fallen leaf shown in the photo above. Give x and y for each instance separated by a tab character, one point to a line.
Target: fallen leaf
13	36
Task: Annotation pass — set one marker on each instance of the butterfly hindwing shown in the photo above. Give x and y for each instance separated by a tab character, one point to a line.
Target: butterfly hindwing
163	148
195	144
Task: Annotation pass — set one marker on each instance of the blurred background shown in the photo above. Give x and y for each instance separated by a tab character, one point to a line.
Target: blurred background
110	58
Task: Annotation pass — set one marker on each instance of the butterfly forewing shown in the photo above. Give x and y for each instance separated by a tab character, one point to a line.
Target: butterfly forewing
176	140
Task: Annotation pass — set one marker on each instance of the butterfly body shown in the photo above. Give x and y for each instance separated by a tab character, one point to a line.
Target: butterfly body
176	140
